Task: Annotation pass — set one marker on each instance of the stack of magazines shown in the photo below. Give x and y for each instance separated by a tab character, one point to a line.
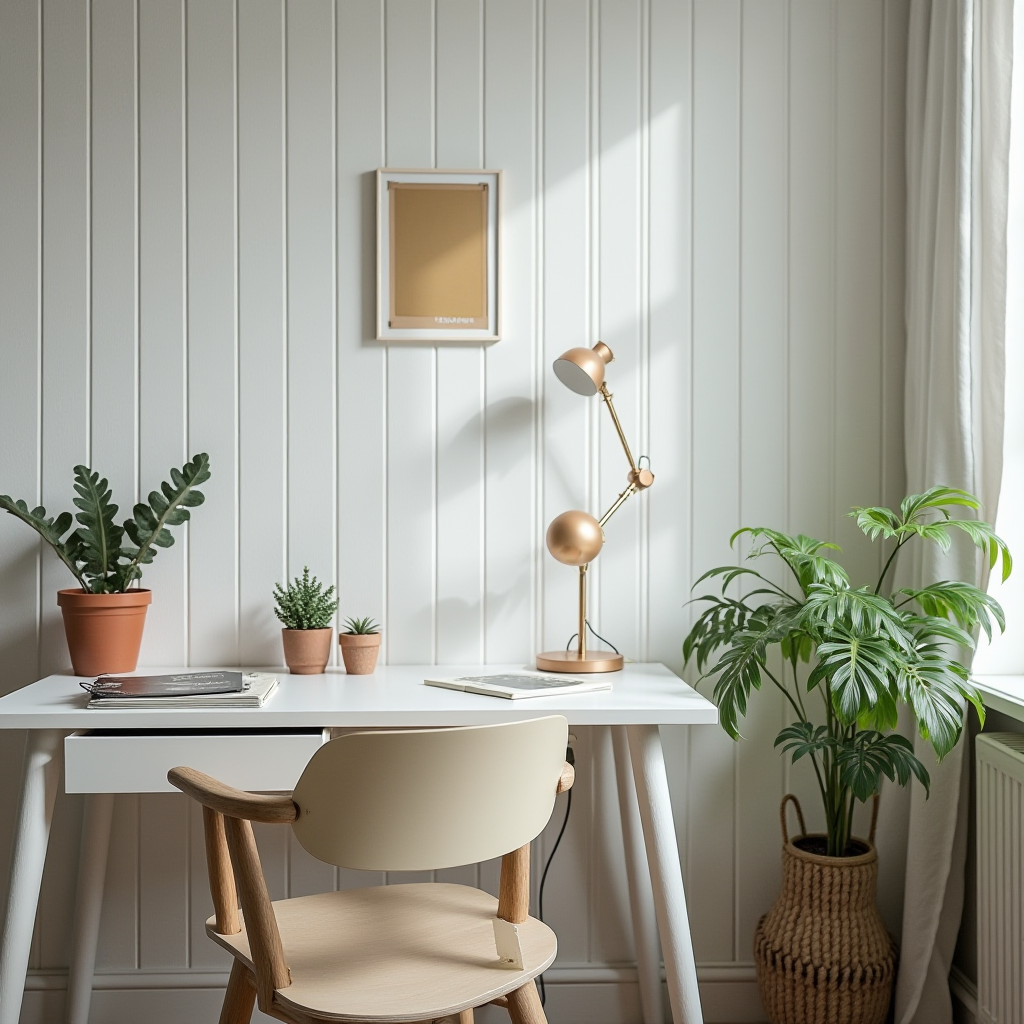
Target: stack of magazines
182	690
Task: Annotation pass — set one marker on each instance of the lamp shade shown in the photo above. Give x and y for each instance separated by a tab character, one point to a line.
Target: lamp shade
582	369
575	538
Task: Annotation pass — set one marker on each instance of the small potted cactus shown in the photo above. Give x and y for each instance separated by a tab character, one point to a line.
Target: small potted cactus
306	610
360	644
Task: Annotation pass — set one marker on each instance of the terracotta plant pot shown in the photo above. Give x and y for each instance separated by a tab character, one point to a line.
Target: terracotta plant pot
823	955
104	631
307	651
360	652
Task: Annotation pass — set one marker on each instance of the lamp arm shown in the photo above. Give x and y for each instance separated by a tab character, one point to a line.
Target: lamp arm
607	396
619	502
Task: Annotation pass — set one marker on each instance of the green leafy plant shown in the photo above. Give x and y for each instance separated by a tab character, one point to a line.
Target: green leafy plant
866	652
304	604
360	627
96	553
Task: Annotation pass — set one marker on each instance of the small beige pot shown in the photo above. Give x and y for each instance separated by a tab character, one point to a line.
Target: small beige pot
360	652
307	651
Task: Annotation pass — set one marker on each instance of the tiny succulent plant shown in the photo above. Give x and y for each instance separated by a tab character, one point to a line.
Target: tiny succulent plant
360	627
95	552
304	604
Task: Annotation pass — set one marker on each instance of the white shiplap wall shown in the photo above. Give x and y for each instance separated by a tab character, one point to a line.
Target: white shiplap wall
713	187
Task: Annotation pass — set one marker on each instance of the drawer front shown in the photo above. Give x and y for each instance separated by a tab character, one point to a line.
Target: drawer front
139	762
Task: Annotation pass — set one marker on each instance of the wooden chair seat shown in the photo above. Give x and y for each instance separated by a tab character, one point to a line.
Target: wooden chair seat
395	953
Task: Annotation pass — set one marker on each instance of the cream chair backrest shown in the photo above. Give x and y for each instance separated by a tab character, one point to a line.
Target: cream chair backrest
422	799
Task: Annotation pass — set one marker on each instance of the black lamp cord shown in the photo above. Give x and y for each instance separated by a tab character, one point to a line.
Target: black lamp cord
598	635
571	758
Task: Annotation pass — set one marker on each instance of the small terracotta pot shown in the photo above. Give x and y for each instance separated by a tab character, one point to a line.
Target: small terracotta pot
104	631
307	651
360	652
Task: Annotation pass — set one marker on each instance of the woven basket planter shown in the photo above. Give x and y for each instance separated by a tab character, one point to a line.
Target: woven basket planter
822	952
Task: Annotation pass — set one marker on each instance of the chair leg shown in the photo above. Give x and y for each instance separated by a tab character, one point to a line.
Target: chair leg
524	1005
240	996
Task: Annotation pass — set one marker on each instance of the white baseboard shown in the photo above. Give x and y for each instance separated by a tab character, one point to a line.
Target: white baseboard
576	994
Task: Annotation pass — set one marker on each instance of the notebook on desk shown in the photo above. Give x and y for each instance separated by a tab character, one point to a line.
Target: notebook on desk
182	690
514	686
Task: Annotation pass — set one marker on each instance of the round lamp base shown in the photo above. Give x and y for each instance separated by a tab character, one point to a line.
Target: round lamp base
570	661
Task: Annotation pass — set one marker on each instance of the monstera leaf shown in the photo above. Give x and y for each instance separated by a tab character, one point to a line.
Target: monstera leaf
147	529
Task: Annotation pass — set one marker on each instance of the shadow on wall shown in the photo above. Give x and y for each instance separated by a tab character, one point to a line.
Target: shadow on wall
661	130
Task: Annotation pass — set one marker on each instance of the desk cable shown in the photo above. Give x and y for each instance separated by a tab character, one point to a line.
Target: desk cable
571	758
598	635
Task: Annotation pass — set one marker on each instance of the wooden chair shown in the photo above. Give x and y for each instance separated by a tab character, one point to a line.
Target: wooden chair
410	800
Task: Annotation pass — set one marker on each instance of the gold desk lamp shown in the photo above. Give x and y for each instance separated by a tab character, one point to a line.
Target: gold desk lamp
576	538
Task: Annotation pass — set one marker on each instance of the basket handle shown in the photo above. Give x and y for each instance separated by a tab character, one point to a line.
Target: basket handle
782	817
803	828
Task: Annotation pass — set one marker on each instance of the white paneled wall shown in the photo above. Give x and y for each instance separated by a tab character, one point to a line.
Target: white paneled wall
712	187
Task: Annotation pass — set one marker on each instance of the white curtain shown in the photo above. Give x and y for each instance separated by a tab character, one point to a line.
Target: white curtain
958	102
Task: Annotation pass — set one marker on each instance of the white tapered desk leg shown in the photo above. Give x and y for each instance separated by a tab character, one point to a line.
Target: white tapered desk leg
92	873
651	780
44	755
641	895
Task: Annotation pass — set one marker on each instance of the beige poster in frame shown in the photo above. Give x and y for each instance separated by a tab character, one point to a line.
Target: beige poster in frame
438	256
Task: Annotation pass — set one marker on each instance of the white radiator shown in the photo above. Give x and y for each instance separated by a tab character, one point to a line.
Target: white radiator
1000	793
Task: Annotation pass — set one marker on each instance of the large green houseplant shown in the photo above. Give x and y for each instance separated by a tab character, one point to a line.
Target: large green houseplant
845	657
104	616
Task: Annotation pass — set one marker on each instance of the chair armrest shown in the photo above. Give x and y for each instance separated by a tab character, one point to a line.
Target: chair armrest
273	809
566	779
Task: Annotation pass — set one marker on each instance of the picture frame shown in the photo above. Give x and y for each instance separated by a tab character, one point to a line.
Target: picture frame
438	256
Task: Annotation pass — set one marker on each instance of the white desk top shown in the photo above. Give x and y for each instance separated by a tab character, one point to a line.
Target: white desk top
1002	693
394	695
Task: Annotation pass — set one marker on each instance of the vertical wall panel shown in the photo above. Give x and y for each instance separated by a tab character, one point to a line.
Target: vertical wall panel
715	189
460	370
893	816
614	606
410	627
20	169
513	46
213	326
66	354
362	374
19	333
113	329
164	875
66	375
311	372
118	947
163	357
262	366
671	367
811	264
568	185
618	280
569	189
812	310
764	380
717	420
858	395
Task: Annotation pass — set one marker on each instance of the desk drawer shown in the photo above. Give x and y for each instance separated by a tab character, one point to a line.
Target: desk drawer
104	761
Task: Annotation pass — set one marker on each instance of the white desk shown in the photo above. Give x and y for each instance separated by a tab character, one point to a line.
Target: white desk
642	698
